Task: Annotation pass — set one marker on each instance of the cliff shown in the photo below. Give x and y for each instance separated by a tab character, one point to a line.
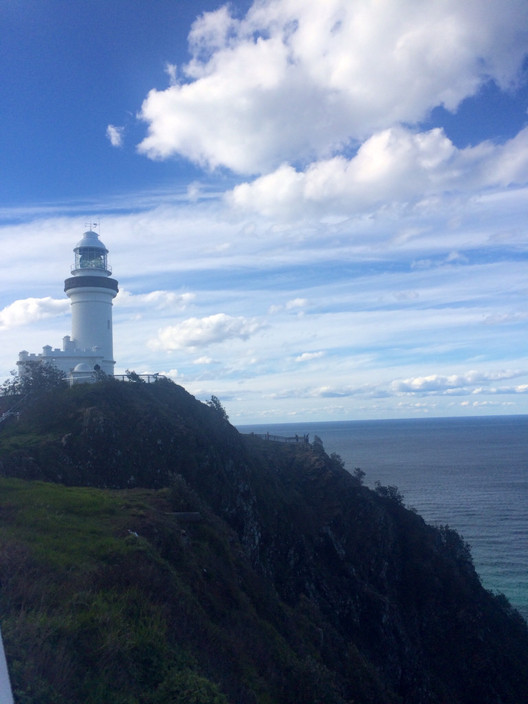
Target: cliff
152	554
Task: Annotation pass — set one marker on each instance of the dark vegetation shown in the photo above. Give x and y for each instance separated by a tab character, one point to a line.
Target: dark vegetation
150	554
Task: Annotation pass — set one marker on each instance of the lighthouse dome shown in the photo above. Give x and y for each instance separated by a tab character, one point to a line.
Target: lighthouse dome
83	367
90	239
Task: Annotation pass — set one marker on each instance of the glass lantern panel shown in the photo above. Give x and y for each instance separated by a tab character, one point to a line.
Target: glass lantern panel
90	258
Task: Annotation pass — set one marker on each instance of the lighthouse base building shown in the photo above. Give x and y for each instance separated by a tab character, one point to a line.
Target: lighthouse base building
91	290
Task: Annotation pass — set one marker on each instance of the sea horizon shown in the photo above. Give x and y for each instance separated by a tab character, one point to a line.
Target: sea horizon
246	424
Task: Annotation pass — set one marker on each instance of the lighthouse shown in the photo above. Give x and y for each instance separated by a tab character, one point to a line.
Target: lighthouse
91	291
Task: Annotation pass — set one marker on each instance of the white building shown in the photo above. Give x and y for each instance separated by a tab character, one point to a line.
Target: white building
91	292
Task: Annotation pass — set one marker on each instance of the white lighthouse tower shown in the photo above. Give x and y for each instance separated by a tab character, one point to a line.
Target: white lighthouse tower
91	291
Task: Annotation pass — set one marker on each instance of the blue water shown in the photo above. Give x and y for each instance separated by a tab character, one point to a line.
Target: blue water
468	473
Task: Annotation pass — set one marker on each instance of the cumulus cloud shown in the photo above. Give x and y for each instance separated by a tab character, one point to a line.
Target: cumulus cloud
30	310
295	304
429	388
522	389
394	165
437	383
296	81
115	135
201	332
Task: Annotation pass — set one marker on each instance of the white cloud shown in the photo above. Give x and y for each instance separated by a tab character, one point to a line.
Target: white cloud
296	303
115	135
436	383
355	69
160	300
211	32
393	165
379	318
201	332
332	391
308	356
203	360
172	72
30	310
505	318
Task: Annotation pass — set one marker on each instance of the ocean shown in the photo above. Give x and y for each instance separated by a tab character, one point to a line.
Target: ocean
468	473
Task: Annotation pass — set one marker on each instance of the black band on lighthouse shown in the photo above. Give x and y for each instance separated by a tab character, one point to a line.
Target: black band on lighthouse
90	281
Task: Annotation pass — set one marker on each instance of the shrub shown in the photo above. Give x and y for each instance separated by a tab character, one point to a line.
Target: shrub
389	492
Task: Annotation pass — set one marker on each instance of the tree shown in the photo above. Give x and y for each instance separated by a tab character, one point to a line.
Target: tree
337	460
389	492
35	378
10	386
99	374
216	405
359	474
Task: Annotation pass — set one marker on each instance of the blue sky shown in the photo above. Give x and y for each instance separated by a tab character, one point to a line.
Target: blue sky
315	210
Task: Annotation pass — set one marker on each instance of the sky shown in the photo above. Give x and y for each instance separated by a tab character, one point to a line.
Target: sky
316	209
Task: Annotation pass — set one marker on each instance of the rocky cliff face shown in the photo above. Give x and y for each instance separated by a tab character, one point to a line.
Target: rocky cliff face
370	603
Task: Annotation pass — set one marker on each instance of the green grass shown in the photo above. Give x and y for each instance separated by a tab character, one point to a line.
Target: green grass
24	440
105	597
66	526
84	604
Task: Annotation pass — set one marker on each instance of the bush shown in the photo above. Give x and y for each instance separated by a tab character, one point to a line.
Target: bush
187	687
358	474
36	378
389	492
216	405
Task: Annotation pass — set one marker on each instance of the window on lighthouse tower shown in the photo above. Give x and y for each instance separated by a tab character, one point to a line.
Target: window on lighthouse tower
90	258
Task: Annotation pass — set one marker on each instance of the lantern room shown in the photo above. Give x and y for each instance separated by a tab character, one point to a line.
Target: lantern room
91	256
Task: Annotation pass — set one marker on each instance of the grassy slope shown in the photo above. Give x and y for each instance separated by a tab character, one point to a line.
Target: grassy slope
298	585
79	604
108	596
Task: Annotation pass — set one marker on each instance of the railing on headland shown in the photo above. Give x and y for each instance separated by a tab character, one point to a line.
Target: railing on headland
282	438
8	414
14	411
147	378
